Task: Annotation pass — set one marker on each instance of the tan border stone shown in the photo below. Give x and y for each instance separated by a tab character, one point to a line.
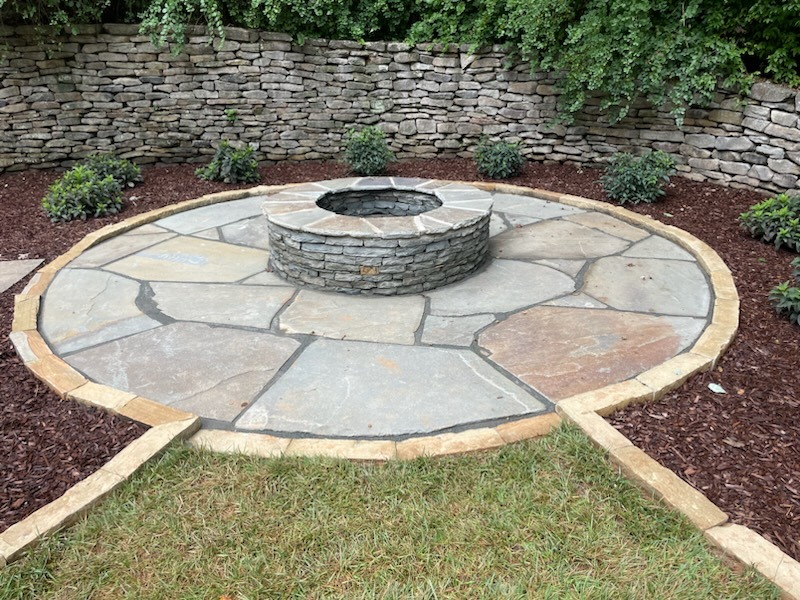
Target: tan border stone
377	450
30	345
665	485
101	396
26	311
5	550
151	413
610	398
749	548
525	429
62	261
470	440
673	373
150	444
599	431
62	512
726	314
714	341
58	375
236	442
38	284
723	285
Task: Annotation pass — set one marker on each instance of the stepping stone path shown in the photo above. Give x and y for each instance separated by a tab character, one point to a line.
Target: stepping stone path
183	311
11	271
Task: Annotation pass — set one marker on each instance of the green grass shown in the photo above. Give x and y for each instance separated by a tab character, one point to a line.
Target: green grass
541	519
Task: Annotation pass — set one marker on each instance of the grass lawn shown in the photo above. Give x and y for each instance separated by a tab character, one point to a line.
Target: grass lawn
547	518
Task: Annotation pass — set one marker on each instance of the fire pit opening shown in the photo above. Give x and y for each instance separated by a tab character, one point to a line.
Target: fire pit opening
373	203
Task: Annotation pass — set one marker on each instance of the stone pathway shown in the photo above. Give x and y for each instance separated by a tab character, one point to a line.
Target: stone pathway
182	311
11	271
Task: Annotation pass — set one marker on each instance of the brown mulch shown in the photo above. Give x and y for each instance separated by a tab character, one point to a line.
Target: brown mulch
741	448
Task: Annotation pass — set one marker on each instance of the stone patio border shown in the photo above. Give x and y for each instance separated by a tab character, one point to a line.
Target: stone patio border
584	410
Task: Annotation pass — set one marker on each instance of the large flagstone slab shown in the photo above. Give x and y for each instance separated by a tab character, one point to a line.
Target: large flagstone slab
364	389
121	246
214	215
453	331
190	259
555	239
250	232
11	271
658	247
225	304
212	371
610	225
658	286
266	278
575	301
85	307
496	225
504	286
532	207
392	320
565	351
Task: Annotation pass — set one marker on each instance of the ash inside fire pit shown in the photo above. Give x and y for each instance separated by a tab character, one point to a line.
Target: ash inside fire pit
387	202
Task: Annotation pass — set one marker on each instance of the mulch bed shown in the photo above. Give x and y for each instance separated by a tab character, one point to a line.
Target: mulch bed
740	448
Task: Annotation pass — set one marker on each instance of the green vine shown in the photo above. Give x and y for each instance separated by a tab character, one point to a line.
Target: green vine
673	54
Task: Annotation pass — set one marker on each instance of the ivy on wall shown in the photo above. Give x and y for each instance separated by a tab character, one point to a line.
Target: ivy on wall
672	53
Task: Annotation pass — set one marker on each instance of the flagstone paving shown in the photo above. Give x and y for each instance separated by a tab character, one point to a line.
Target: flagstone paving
11	271
184	311
566	351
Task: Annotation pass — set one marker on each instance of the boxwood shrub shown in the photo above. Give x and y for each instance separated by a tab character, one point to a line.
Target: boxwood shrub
633	179
366	150
82	193
498	160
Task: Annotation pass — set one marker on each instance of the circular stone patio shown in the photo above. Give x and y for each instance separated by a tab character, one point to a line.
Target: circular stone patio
578	296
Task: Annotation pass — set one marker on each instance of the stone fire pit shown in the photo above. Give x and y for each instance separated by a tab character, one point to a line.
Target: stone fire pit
378	235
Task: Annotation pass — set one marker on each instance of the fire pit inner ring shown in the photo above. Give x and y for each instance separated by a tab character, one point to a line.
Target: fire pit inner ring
378	235
390	202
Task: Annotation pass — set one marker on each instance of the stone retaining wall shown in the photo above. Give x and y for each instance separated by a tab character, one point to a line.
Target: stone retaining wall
108	88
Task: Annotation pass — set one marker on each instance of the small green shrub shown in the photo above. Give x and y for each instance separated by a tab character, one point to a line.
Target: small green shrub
498	160
231	165
785	297
775	220
123	171
637	179
82	193
366	151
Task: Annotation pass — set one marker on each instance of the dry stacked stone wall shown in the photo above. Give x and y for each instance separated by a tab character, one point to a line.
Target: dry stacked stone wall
109	88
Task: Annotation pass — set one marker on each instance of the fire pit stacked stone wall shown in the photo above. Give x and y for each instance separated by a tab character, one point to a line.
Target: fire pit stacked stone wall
378	235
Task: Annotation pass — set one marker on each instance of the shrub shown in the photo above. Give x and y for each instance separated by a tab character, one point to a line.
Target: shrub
637	179
775	220
231	165
498	160
81	193
366	151
785	297
123	171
